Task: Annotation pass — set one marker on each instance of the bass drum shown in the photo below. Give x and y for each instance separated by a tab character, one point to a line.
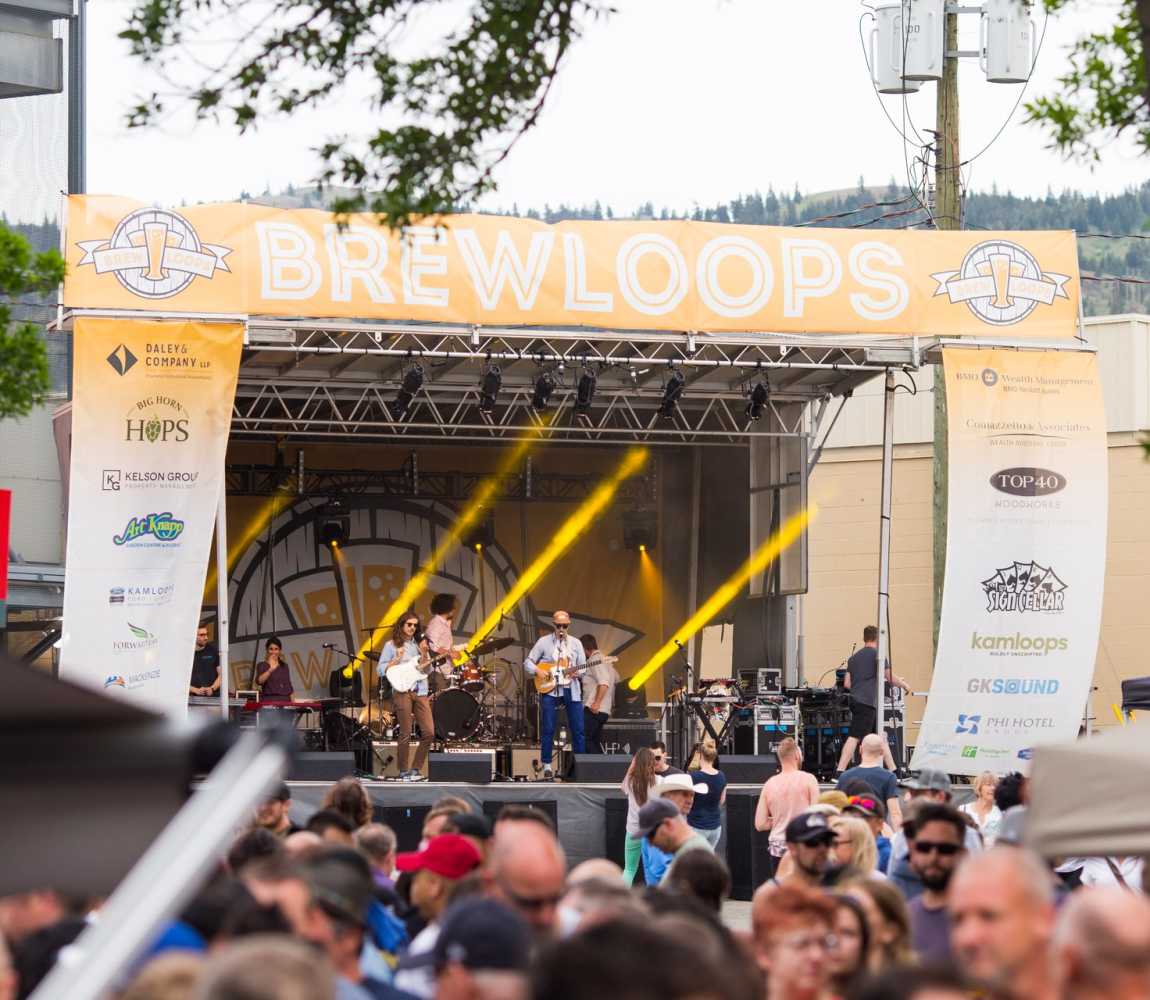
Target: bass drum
456	714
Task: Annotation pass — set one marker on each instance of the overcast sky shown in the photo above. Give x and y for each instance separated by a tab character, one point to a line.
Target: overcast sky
674	101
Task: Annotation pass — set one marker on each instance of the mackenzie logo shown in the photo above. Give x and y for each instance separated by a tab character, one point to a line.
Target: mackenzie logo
155	254
1001	283
163	527
115	680
1025	587
122	360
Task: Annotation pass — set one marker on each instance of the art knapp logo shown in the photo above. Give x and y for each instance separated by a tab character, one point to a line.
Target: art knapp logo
122	360
1028	482
156	420
1025	587
1019	644
968	724
164	528
1001	283
141	639
1013	685
154	254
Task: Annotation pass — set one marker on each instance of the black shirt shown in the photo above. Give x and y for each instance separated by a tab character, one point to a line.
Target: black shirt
205	666
863	669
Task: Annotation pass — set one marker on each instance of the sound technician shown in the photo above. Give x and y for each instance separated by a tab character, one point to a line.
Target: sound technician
862	683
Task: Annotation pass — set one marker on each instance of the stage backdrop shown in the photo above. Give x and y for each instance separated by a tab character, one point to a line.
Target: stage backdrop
636	275
1025	558
151	409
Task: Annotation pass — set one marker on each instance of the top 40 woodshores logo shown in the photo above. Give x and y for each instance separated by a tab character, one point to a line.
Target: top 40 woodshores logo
155	254
1001	283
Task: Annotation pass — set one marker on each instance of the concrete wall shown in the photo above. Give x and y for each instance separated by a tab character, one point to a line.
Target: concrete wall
30	469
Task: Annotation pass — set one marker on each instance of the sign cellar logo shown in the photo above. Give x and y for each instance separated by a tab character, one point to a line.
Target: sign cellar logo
1001	283
155	254
1025	587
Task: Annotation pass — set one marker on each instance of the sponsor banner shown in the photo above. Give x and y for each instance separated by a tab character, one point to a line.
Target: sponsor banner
5	520
493	270
151	411
1025	557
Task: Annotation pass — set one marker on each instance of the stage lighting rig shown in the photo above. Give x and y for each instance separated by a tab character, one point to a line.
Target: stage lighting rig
585	392
412	382
544	386
489	386
672	391
334	524
640	530
757	400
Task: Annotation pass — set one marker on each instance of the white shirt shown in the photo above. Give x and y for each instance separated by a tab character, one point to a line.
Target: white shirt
416	972
989	828
600	673
1096	871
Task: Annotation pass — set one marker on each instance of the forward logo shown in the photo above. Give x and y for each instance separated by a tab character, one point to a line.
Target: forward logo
154	254
1025	587
1001	283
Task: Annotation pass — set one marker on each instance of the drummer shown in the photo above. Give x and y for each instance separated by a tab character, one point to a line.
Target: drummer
440	639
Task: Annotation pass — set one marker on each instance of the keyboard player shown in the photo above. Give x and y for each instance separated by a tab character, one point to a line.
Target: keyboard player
273	675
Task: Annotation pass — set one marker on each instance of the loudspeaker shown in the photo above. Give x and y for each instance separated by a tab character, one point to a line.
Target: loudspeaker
629	704
491	808
473	768
748	856
515	763
615	830
627	735
747	769
329	766
406	821
601	768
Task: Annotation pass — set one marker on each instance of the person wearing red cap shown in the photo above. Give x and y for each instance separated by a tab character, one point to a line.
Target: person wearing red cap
436	871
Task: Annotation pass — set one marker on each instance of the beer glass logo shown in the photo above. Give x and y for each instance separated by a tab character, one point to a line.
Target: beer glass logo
1001	283
155	254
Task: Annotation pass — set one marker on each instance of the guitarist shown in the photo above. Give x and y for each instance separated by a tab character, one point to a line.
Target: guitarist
404	644
563	650
440	639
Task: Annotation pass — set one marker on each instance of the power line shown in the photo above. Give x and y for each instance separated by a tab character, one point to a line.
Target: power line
855	211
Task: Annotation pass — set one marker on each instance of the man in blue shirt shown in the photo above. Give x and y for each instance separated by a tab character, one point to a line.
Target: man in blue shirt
558	648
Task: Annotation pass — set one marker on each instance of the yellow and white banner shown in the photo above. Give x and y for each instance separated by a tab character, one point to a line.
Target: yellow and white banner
499	271
151	411
1025	557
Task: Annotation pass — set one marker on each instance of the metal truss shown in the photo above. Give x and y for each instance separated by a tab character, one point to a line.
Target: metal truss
409	481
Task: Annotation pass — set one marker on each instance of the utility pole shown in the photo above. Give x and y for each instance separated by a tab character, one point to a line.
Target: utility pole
948	215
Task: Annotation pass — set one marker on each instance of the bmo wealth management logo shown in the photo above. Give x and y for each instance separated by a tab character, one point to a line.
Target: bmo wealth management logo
1001	283
154	254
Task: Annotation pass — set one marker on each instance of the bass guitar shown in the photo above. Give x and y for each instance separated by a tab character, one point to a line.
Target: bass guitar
405	674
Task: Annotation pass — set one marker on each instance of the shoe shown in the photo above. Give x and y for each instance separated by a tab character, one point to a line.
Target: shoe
548	775
416	776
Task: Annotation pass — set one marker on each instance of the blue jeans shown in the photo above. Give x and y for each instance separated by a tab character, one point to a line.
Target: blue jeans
547	707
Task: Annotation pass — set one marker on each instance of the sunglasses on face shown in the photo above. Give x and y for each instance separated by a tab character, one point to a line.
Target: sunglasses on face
411	624
561	627
657	756
930	847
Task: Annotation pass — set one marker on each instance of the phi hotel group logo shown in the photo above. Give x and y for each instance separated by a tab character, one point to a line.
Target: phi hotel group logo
155	254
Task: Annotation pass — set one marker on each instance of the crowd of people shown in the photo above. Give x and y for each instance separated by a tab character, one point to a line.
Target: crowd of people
874	891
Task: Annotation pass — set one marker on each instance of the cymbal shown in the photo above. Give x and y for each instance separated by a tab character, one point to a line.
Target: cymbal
491	646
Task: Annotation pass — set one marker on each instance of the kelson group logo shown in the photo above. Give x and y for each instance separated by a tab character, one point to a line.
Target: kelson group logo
1001	283
1025	587
154	254
163	527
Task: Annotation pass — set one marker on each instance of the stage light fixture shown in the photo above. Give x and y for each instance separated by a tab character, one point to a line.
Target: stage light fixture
412	383
480	534
489	387
640	530
757	400
544	386
672	391
585	392
333	531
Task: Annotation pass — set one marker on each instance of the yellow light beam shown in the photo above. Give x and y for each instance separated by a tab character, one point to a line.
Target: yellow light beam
760	559
462	524
570	530
255	528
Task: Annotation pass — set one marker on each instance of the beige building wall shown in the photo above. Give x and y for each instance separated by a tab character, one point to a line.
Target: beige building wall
844	539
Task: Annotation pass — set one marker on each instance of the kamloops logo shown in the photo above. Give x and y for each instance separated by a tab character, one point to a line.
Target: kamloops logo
163	527
154	254
1025	587
1019	644
156	419
1001	283
1028	482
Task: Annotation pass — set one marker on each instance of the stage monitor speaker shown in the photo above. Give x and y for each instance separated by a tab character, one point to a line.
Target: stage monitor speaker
747	850
748	769
601	768
492	807
406	821
629	704
330	766
473	768
615	830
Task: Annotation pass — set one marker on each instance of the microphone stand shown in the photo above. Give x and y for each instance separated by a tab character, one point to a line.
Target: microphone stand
688	677
346	695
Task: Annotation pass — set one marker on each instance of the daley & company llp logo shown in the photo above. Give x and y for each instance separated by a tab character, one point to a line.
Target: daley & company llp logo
164	528
1025	586
155	254
1001	283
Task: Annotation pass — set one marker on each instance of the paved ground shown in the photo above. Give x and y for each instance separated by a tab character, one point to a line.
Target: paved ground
737	914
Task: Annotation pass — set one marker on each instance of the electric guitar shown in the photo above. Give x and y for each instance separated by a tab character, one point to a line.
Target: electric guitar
405	674
552	675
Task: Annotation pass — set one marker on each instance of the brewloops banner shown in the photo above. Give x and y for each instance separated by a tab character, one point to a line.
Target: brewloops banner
151	411
1025	558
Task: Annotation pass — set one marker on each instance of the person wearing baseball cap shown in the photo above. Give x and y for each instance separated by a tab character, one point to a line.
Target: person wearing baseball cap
870	809
663	824
436	871
809	837
482	952
679	789
557	649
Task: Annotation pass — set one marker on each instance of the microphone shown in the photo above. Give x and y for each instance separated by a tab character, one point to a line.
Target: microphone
328	645
677	643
